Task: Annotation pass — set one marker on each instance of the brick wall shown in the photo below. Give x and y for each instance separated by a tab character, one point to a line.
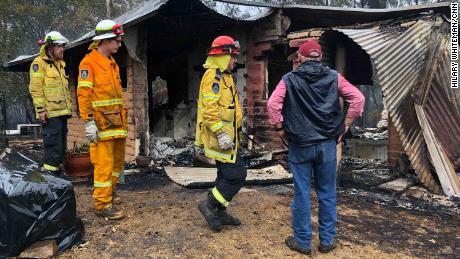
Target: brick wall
76	127
254	104
264	132
129	104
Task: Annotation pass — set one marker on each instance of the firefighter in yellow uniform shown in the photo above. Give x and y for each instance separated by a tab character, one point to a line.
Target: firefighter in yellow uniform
51	98
219	121
101	107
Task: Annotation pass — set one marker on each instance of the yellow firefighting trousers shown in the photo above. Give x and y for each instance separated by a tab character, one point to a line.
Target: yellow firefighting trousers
108	158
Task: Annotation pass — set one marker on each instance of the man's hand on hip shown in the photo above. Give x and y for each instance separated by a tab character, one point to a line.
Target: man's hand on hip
280	130
283	137
343	134
348	122
43	116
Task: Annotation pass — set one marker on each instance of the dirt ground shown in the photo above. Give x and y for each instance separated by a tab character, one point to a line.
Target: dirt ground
163	222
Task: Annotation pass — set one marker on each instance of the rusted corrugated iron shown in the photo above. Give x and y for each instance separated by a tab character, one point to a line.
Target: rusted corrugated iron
397	55
433	96
436	111
372	40
308	14
417	60
410	59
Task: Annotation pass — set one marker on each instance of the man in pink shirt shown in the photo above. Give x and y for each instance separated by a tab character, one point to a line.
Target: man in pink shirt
305	110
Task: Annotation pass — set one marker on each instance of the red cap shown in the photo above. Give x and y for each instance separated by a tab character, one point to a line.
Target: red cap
310	49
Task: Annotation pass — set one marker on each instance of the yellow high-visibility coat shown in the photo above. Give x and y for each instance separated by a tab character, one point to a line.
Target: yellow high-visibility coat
49	87
218	110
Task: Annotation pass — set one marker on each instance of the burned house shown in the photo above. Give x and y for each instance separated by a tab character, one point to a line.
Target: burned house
165	44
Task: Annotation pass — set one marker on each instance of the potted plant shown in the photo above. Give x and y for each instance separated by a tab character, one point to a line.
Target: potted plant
77	161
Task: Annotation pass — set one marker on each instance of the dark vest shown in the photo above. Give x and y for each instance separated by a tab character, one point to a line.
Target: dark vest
311	108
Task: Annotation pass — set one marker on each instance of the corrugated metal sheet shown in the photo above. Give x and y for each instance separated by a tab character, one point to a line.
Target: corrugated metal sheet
401	63
398	58
442	111
436	112
371	40
130	17
255	12
348	16
331	8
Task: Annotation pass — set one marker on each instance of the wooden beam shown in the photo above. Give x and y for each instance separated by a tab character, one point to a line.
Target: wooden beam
316	33
197	176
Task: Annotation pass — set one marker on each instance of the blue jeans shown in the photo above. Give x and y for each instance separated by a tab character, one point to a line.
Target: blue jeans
319	159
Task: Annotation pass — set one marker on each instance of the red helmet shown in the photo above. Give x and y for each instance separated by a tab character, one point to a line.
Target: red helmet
224	45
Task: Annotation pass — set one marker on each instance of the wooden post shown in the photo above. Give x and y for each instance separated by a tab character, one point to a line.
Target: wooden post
140	96
340	65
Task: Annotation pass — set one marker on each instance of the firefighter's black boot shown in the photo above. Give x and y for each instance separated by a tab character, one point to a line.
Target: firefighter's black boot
226	218
57	173
208	209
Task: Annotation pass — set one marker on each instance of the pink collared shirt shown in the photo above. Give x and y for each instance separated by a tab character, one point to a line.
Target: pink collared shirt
350	93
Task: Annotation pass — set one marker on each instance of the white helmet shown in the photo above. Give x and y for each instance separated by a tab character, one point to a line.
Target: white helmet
55	37
107	29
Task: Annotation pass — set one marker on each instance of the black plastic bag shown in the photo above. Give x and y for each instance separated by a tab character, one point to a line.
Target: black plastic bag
35	207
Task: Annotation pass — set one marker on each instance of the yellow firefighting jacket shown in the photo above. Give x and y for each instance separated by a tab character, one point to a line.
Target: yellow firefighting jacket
218	110
100	95
49	87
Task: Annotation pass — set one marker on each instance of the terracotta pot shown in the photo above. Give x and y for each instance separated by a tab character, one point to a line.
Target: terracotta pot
78	165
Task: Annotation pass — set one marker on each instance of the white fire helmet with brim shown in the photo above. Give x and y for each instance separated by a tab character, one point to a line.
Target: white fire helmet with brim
54	37
107	29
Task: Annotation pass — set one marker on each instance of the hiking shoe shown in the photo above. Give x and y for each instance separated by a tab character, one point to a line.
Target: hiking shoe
110	213
208	208
293	245
227	219
117	200
326	248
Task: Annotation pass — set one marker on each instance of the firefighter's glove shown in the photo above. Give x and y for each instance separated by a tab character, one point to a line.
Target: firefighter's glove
91	131
225	142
